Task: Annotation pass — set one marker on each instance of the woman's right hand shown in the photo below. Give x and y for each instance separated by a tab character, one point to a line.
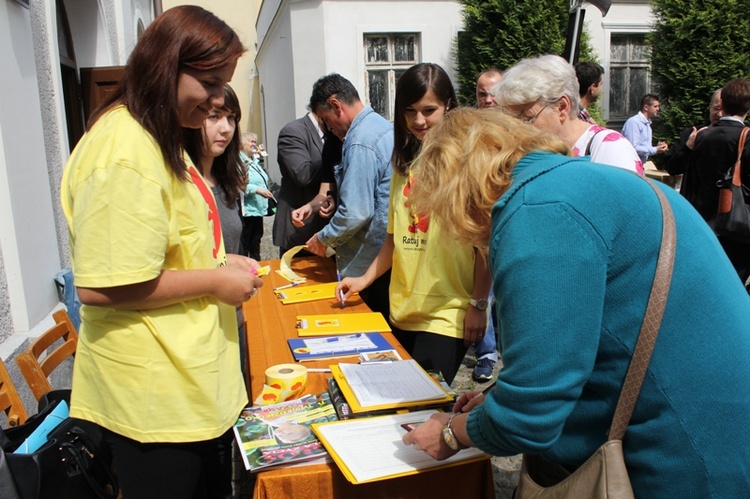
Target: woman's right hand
236	285
350	285
467	401
301	214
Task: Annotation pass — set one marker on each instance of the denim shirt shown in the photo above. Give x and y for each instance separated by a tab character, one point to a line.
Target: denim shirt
358	228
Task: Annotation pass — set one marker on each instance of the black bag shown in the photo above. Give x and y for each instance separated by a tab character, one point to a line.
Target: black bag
74	463
733	216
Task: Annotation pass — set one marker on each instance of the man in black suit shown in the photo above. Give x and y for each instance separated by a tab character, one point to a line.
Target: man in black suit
300	156
713	156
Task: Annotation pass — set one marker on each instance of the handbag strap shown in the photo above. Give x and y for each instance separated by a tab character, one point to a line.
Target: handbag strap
644	346
736	179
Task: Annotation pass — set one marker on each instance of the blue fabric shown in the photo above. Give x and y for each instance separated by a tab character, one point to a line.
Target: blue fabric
485	348
573	253
637	129
254	205
64	279
358	228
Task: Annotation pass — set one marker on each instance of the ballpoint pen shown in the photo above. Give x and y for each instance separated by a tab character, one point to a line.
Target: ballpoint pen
291	284
341	292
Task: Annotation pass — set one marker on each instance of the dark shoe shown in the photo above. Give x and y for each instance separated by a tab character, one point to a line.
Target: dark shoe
483	370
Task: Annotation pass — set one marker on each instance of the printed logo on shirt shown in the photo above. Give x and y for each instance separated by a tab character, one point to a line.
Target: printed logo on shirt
213	210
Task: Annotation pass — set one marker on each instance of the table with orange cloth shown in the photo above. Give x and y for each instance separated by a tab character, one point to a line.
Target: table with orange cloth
269	323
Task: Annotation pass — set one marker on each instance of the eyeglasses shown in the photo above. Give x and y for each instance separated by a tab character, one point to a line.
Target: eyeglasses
529	119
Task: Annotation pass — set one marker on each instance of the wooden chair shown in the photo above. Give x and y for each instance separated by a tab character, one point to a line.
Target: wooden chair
10	402
36	372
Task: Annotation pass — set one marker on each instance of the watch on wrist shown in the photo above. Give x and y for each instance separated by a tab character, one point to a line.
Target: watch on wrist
449	437
479	304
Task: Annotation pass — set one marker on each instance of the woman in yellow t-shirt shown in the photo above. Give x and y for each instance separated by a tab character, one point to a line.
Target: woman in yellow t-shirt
157	364
438	291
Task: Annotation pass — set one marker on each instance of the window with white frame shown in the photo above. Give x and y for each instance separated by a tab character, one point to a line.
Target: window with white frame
387	56
629	78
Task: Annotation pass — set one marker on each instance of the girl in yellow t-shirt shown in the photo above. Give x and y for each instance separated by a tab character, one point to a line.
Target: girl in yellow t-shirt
433	278
157	363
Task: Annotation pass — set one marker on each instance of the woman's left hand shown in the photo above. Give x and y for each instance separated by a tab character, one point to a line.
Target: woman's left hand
242	262
475	325
264	192
428	437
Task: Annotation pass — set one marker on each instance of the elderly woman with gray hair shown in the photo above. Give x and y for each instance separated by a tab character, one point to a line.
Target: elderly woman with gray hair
572	266
543	91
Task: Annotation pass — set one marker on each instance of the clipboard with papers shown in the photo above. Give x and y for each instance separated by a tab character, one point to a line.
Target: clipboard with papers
353	443
324	325
389	385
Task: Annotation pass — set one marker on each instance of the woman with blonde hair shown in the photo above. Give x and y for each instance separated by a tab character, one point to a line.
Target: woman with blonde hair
571	294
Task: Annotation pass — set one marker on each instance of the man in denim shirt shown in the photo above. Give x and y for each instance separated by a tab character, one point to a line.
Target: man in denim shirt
358	227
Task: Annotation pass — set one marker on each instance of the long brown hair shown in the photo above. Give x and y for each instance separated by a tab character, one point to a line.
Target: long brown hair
412	86
227	168
182	37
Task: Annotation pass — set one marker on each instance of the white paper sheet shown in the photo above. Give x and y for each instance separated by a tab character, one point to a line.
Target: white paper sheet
390	382
371	448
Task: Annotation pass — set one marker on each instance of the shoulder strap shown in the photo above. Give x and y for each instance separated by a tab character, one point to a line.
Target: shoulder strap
736	176
591	141
651	322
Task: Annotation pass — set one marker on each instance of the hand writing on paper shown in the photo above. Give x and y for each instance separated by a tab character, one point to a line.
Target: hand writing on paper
429	437
350	285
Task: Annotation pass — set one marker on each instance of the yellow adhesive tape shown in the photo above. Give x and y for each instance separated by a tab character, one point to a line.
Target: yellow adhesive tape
283	382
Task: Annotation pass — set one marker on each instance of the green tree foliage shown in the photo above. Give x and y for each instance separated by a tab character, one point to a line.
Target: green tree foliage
499	33
696	47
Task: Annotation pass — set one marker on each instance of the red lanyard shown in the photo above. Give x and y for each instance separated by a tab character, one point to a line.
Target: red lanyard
213	210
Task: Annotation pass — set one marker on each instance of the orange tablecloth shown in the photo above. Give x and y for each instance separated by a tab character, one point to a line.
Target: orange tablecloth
269	324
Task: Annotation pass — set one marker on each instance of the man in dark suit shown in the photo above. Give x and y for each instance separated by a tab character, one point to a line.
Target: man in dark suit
713	156
299	152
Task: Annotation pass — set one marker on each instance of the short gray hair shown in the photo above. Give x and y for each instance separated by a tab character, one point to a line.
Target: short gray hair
544	78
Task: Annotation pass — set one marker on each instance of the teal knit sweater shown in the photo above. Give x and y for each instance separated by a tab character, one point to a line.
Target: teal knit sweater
573	253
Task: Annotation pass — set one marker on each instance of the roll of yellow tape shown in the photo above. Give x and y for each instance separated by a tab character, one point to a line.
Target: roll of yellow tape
283	382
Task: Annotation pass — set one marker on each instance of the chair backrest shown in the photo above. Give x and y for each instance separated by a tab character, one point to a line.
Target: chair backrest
10	402
36	372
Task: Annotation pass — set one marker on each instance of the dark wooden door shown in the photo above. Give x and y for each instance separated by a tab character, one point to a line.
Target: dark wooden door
96	85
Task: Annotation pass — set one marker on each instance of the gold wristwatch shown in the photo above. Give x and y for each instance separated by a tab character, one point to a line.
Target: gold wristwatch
449	437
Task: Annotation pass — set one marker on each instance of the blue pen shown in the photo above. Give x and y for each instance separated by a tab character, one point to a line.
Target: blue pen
341	293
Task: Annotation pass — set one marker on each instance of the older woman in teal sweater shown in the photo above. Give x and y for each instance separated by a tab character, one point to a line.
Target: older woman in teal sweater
573	248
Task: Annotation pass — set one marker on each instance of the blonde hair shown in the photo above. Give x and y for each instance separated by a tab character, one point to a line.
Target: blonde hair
465	166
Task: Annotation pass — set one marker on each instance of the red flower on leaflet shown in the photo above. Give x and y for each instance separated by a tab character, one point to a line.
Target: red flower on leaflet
421	221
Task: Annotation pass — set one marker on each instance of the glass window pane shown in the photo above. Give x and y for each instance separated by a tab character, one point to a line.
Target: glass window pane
638	88
377	49
403	48
618	48
396	75
639	51
377	85
617	92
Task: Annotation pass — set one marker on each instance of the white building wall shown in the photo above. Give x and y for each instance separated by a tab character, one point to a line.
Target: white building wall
300	41
33	140
27	229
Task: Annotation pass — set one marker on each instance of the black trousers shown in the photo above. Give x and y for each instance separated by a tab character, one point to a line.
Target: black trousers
180	470
252	232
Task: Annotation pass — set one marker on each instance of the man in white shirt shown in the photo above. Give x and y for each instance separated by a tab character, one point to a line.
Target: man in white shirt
638	128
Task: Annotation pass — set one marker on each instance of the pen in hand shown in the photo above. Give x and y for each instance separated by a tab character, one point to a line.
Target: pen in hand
341	292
